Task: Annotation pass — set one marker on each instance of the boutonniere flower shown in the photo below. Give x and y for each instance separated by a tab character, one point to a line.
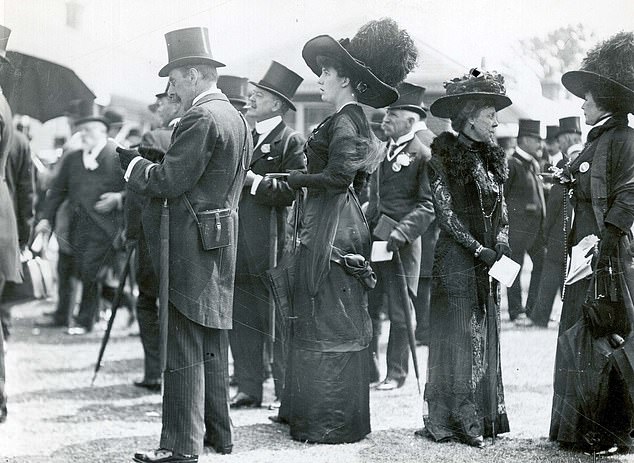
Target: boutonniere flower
402	160
266	148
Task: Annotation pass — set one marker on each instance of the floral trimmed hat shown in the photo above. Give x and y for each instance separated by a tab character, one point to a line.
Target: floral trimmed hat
475	84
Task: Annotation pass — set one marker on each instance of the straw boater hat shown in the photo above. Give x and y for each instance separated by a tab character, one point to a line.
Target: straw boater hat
378	58
477	84
188	47
609	65
280	81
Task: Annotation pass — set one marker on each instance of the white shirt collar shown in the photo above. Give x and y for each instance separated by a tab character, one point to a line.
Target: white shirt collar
603	120
211	91
523	154
403	138
174	121
89	157
265	126
555	158
418	126
574	149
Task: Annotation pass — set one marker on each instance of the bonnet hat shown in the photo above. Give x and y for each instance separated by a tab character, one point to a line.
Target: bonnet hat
378	58
476	84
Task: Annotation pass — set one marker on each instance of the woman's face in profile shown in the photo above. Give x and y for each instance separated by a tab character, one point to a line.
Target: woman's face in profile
591	111
483	126
330	84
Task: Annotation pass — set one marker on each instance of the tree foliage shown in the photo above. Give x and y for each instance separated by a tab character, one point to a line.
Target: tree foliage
561	50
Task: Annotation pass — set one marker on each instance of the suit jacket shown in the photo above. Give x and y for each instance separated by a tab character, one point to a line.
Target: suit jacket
10	265
404	196
284	152
20	181
524	194
206	162
83	187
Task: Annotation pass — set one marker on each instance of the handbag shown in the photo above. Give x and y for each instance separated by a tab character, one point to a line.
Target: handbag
214	226
384	227
38	280
603	310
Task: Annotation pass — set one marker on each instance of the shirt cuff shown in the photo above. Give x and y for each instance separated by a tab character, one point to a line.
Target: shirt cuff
256	183
128	171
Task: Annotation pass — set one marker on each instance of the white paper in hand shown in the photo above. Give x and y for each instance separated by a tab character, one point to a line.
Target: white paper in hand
505	271
380	252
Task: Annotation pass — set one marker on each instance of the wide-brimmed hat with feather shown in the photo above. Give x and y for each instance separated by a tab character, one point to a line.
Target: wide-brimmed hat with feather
477	84
609	65
378	57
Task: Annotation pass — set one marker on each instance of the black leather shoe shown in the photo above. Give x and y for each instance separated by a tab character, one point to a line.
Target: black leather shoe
3	411
221	449
477	442
242	400
278	419
164	456
153	385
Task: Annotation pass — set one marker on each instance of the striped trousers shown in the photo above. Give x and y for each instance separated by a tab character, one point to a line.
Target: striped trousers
196	386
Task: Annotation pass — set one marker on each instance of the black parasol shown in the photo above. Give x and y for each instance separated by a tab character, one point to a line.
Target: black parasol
39	88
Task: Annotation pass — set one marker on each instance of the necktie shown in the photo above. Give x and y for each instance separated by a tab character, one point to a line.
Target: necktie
391	150
256	137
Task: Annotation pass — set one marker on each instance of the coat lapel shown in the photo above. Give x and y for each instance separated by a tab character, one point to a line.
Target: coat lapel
270	138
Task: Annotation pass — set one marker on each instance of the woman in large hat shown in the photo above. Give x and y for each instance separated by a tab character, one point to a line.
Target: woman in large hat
328	387
464	392
591	410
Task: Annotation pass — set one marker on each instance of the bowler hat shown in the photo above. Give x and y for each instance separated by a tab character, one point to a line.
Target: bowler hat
280	81
551	132
5	32
235	88
569	125
609	66
186	47
410	98
529	128
477	85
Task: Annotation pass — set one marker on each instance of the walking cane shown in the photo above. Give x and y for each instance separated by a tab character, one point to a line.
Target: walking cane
272	264
407	309
116	302
164	285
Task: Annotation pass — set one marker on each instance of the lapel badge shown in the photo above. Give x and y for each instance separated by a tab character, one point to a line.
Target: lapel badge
583	168
396	167
265	148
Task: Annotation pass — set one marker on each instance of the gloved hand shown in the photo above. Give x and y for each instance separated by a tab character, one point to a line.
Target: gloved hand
396	240
502	249
126	156
488	256
608	244
294	179
150	153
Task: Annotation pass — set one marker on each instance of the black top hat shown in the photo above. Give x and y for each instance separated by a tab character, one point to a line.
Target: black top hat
187	47
552	131
529	128
609	66
569	125
235	88
113	117
5	32
280	81
475	85
410	98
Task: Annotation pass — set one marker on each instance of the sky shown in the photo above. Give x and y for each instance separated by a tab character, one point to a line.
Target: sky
122	46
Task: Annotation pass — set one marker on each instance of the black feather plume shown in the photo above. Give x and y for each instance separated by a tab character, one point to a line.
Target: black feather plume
387	50
613	58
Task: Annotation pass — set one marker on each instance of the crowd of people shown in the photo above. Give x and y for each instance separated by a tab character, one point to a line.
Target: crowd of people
250	237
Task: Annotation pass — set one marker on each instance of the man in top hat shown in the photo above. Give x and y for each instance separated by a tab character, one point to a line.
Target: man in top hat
262	237
554	236
235	88
399	190
154	145
9	251
202	171
569	137
524	194
91	179
551	156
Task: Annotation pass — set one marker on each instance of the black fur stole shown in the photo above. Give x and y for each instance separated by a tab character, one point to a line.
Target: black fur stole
459	159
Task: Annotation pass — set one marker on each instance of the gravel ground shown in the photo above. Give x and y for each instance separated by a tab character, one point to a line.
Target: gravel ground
56	416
